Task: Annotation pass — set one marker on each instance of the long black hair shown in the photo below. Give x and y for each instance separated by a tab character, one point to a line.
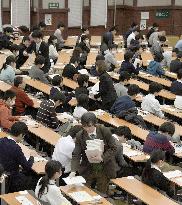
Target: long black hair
51	168
51	38
10	59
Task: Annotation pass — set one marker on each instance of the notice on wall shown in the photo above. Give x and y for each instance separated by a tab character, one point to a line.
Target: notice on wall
48	19
143	24
144	15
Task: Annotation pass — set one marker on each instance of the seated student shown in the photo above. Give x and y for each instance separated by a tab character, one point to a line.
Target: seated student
154	67
14	48
152	174
168	55
46	189
85	31
137	58
59	36
53	54
12	157
176	64
83	84
126	102
134	33
23	55
93	70
150	103
110	60
7	73
22	99
47	114
135	43
39	47
152	29
161	139
157	46
127	64
81	56
36	71
84	44
70	70
82	106
64	148
6	40
106	87
121	86
6	118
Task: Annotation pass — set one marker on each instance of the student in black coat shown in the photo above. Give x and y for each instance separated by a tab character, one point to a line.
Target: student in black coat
176	86
40	48
6	40
83	84
107	91
12	157
176	64
152	174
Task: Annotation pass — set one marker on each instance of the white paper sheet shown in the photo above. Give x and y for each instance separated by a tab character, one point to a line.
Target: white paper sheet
81	196
173	174
74	180
23	200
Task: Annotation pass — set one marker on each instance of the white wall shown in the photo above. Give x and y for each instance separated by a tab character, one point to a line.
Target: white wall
153	3
178	2
128	2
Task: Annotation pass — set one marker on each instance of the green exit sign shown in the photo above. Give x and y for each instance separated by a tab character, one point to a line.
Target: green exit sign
162	14
53	5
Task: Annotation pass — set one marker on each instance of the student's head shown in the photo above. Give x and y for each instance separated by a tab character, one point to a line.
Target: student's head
9	97
26	41
88	121
82	100
57	80
42	26
134	25
133	90
18	130
74	61
39	61
74	130
123	133
10	61
155	26
84	39
113	30
52	40
162	39
124	77
85	30
58	98
179	74
18	82
158	57
1	173
37	36
8	31
136	31
14	48
23	29
99	57
61	26
101	66
175	51
155	88
128	56
83	80
179	55
167	128
53	170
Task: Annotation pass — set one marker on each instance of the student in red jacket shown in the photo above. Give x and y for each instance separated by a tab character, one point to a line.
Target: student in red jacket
22	99
6	118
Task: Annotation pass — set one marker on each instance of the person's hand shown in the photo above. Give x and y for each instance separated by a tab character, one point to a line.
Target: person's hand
72	174
25	53
33	154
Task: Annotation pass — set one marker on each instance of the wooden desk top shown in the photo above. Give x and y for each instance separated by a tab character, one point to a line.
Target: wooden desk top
172	111
70	83
142	191
10	198
171	75
69	189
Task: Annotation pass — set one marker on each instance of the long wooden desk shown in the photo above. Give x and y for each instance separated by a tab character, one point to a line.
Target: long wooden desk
142	191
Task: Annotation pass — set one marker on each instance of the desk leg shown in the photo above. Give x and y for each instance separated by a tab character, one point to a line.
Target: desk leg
3	186
37	144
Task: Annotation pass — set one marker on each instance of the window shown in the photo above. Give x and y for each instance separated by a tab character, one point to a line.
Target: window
85	2
153	3
60	4
112	2
35	3
5	4
178	2
128	2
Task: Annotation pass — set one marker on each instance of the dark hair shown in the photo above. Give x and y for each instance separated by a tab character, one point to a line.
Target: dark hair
102	67
133	24
34	28
84	37
39	60
51	38
88	119
175	50
8	29
128	56
82	78
155	157
23	29
74	60
9	94
51	168
179	54
42	24
9	60
123	130
60	25
25	38
162	38
113	28
155	25
136	30
14	47
99	57
124	76
37	34
76	52
74	130
57	79
83	100
179	74
57	96
18	128
1	170
167	127
84	28
18	80
133	89
155	87
158	57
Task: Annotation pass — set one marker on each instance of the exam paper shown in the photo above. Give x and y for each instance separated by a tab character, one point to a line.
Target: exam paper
172	174
74	180
23	200
81	196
